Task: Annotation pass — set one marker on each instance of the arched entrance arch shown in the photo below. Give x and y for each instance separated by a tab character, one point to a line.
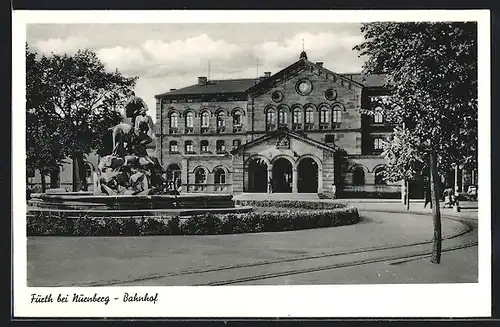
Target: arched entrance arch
174	174
308	173
282	178
257	175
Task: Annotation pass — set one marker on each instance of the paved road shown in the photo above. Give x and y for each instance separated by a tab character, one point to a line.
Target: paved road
347	254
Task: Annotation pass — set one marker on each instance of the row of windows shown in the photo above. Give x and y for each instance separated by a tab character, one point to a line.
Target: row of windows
200	176
205	122
220	146
327	118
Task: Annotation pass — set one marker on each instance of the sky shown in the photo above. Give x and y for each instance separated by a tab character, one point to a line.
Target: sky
166	56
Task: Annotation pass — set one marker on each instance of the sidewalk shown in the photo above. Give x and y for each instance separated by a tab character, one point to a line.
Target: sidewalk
467	209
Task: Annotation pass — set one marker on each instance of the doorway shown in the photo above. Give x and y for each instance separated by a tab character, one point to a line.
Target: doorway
282	176
308	176
257	176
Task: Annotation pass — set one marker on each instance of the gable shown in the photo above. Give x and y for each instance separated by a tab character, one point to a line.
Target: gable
283	142
304	68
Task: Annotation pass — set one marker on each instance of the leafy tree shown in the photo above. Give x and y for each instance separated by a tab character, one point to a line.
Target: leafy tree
85	98
431	69
43	150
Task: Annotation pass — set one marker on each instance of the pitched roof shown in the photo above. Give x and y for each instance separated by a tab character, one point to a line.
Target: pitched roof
240	85
367	80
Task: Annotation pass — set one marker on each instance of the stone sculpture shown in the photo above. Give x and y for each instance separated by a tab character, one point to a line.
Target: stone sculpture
129	169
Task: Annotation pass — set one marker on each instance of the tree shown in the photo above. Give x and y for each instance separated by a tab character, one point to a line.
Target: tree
43	150
85	98
431	69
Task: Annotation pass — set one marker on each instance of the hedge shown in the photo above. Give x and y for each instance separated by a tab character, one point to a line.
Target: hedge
308	205
45	224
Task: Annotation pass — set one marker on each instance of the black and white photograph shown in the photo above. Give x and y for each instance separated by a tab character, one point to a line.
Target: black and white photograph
175	164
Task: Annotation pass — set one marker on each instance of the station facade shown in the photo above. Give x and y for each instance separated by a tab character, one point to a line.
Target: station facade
299	130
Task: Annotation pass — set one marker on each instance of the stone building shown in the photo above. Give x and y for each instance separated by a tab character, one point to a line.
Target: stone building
282	133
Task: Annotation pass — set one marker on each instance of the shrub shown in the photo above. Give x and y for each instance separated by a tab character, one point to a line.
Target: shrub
311	205
203	224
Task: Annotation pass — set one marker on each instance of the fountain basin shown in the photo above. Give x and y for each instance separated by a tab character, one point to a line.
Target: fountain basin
77	203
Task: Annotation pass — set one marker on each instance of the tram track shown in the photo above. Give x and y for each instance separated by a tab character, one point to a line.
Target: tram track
412	253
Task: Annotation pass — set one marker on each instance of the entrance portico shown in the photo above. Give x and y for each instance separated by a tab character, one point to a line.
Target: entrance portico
284	162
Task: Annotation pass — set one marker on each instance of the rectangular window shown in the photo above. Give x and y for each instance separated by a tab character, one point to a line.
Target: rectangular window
189	147
220	146
378	144
173	147
329	138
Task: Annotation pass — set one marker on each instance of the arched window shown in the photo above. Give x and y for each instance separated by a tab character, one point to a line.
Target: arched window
378	144
297	116
188	146
173	146
189	122
378	117
237	121
324	115
379	176
337	114
174	120
271	119
282	117
358	176
204	146
221	122
309	115
220	146
200	176
219	176
205	119
324	118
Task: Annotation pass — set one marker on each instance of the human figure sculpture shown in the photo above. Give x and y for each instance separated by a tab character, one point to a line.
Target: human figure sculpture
129	169
133	106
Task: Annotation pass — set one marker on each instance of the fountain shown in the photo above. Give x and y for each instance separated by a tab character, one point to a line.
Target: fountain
130	183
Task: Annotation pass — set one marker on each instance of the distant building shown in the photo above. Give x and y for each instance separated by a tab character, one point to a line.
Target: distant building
278	133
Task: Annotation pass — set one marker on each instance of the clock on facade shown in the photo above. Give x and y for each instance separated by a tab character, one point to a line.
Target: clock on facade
303	87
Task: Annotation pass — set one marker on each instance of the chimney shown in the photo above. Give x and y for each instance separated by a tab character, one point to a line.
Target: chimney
319	63
172	90
267	74
202	80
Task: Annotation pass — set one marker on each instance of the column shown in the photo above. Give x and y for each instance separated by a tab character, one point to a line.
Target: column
456	179
295	180
184	175
269	175
320	180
